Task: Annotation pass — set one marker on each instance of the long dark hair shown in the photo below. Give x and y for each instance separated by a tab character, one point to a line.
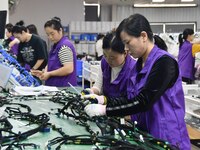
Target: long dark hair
111	42
183	36
137	23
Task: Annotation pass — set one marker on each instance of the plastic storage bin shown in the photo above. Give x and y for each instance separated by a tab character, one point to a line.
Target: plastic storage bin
79	67
85	37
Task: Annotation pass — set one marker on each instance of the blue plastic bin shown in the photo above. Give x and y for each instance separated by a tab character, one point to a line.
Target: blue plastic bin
93	37
75	37
79	67
85	37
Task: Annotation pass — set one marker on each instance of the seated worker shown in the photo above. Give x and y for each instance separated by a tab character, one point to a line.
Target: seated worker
11	43
115	68
61	67
157	100
31	48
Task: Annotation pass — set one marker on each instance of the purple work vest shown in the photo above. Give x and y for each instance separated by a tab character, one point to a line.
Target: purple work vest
186	60
165	119
54	63
14	48
119	86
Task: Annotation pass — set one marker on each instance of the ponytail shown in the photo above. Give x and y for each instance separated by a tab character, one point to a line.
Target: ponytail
160	42
180	40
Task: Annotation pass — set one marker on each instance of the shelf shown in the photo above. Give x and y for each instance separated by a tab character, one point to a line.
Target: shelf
89	32
192	99
84	42
193	114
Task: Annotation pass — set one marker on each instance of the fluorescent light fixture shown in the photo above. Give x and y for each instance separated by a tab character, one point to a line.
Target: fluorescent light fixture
164	5
158	1
187	0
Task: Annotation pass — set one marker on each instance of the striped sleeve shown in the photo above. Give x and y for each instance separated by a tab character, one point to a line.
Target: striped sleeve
65	54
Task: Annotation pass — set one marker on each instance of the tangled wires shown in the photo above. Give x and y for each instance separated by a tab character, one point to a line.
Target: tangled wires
9	138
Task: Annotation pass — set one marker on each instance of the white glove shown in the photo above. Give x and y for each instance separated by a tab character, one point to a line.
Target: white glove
95	110
95	99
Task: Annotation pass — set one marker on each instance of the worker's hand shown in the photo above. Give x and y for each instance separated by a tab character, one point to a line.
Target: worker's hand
36	73
94	99
45	76
95	110
87	91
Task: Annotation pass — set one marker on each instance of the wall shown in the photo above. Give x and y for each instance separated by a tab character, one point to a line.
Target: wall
158	14
106	12
72	10
39	11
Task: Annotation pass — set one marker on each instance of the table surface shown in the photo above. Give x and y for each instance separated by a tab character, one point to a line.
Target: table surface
68	125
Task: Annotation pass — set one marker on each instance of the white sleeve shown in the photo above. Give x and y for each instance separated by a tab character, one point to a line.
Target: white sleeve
65	54
99	81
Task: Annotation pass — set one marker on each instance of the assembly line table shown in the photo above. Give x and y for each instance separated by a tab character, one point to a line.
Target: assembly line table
68	125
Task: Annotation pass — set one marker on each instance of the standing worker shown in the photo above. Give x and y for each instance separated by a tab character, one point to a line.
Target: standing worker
31	48
185	58
157	99
61	67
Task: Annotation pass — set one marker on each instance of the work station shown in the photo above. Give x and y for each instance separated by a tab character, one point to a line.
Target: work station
100	75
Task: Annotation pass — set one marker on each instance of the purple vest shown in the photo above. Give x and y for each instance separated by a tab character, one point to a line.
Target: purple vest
14	48
119	86
54	63
165	120
186	60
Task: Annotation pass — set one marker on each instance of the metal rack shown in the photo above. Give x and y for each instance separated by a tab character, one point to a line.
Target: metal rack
90	71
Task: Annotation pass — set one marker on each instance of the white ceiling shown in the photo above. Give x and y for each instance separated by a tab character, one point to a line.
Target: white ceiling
131	2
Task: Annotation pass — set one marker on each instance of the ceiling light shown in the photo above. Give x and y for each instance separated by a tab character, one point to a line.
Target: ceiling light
157	1
187	0
165	5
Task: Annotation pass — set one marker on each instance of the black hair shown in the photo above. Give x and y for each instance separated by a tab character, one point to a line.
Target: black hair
184	35
110	41
134	25
160	42
55	23
99	36
9	27
20	23
19	27
32	29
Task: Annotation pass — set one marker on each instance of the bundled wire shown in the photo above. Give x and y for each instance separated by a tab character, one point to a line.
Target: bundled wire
89	140
11	139
74	107
63	96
